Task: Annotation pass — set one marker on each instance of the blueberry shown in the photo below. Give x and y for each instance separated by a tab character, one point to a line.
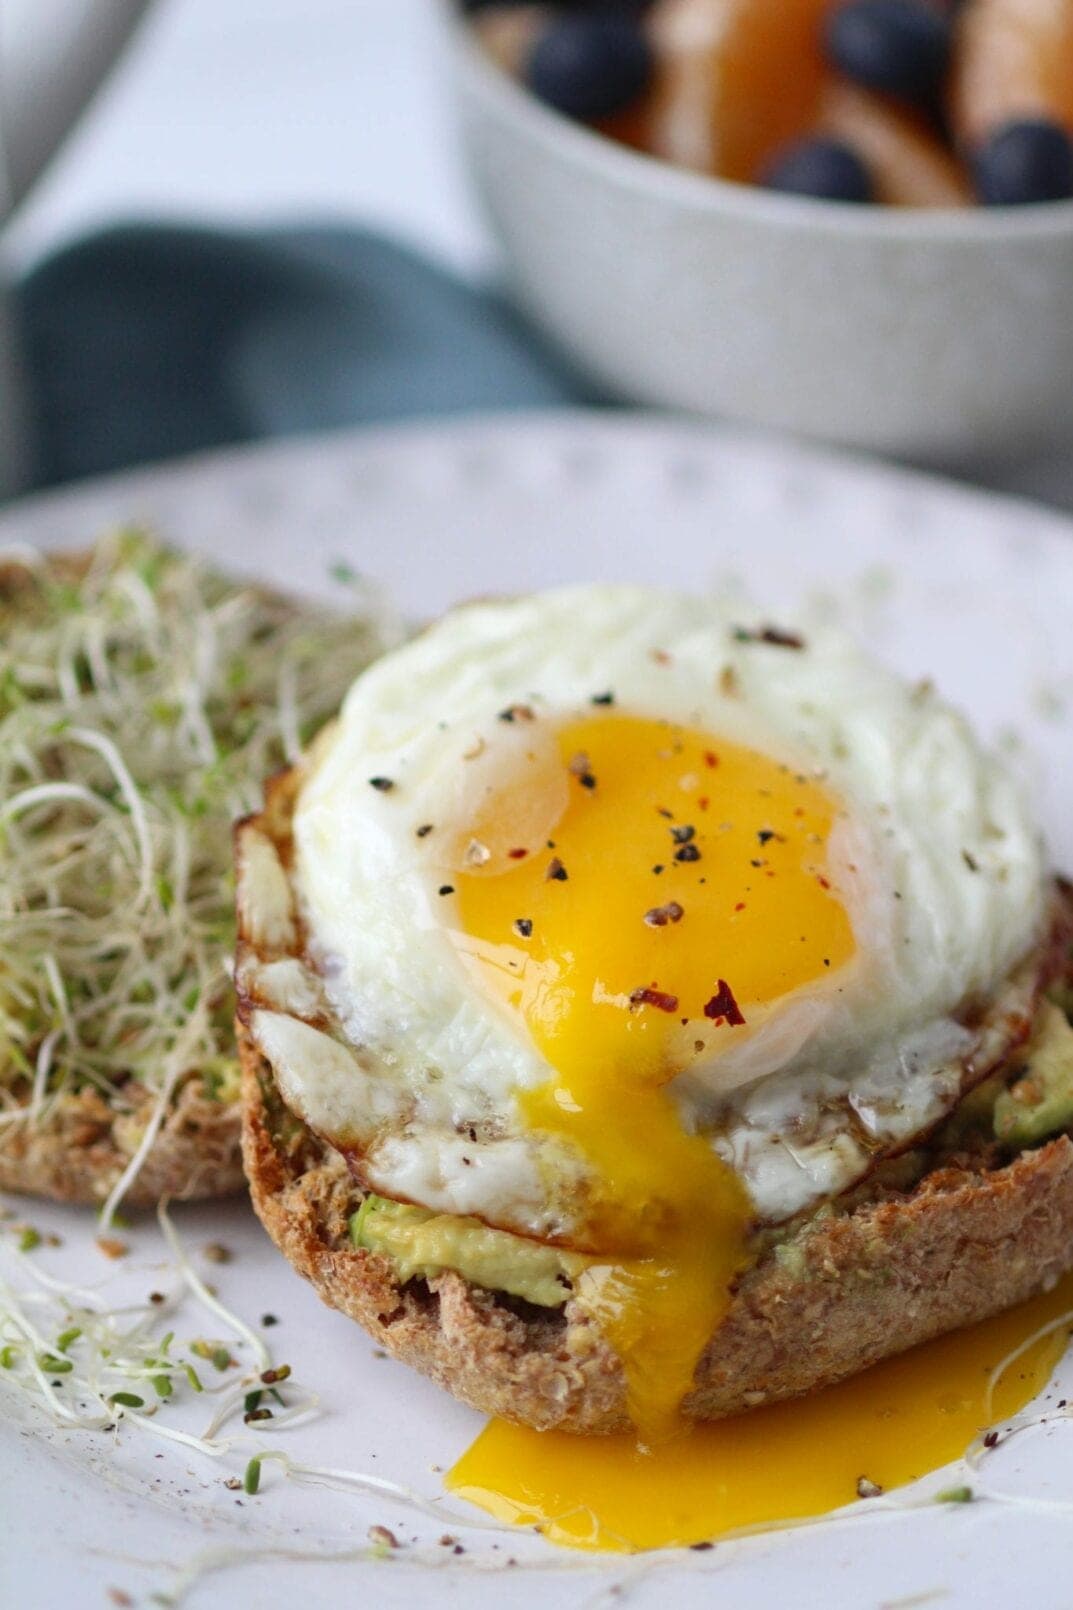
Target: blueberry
1023	161
826	169
899	46
590	65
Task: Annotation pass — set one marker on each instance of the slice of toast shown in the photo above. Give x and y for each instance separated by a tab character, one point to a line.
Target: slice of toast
950	1232
159	688
851	1287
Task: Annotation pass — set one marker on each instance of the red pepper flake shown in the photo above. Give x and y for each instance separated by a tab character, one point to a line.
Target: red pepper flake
660	916
602	698
516	712
556	872
651	996
723	1008
688	852
683	834
823	882
423	831
711	758
772	635
523	927
447	888
740	906
703	802
517	855
383	785
661	656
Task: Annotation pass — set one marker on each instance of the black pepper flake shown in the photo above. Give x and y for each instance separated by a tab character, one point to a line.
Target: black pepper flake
268	1320
701	1548
660	916
683	834
990	1439
580	768
523	927
766	834
772	635
688	852
723	1007
556	872
447	888
756	863
602	698
423	831
970	861
658	869
649	995
383	785
661	810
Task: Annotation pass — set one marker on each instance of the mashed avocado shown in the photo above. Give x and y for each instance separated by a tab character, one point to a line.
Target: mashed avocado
424	1244
1040	1101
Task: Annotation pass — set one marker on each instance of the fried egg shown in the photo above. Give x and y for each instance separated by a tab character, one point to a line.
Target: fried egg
629	922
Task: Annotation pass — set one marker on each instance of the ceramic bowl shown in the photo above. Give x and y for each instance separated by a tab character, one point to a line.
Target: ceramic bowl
944	337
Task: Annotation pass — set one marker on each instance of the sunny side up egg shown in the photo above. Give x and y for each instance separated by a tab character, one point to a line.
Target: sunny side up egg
644	922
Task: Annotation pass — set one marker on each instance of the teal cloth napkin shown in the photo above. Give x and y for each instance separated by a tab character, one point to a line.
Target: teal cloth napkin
146	341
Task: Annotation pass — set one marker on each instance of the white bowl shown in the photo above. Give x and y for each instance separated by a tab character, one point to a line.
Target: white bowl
946	337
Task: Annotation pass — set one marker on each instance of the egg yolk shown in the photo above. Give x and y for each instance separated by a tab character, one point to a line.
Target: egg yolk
895	1422
680	894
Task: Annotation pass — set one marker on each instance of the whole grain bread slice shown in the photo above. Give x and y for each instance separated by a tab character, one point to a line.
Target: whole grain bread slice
74	1144
969	1239
77	1151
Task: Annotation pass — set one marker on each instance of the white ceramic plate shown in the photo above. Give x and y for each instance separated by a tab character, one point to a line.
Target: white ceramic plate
969	589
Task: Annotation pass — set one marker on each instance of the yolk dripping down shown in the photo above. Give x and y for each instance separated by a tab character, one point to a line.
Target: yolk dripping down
681	894
899	1420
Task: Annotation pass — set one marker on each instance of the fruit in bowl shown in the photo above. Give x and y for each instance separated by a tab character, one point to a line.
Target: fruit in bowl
919	103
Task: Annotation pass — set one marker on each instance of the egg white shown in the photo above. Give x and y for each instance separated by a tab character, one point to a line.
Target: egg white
424	1070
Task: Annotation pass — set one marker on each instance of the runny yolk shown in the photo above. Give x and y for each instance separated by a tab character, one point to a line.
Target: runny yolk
899	1420
681	892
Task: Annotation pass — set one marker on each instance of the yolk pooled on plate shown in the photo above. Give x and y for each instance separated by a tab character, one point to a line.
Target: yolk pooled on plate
680	893
899	1420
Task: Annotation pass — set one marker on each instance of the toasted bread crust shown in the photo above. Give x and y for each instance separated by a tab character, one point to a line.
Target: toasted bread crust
77	1151
861	1285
